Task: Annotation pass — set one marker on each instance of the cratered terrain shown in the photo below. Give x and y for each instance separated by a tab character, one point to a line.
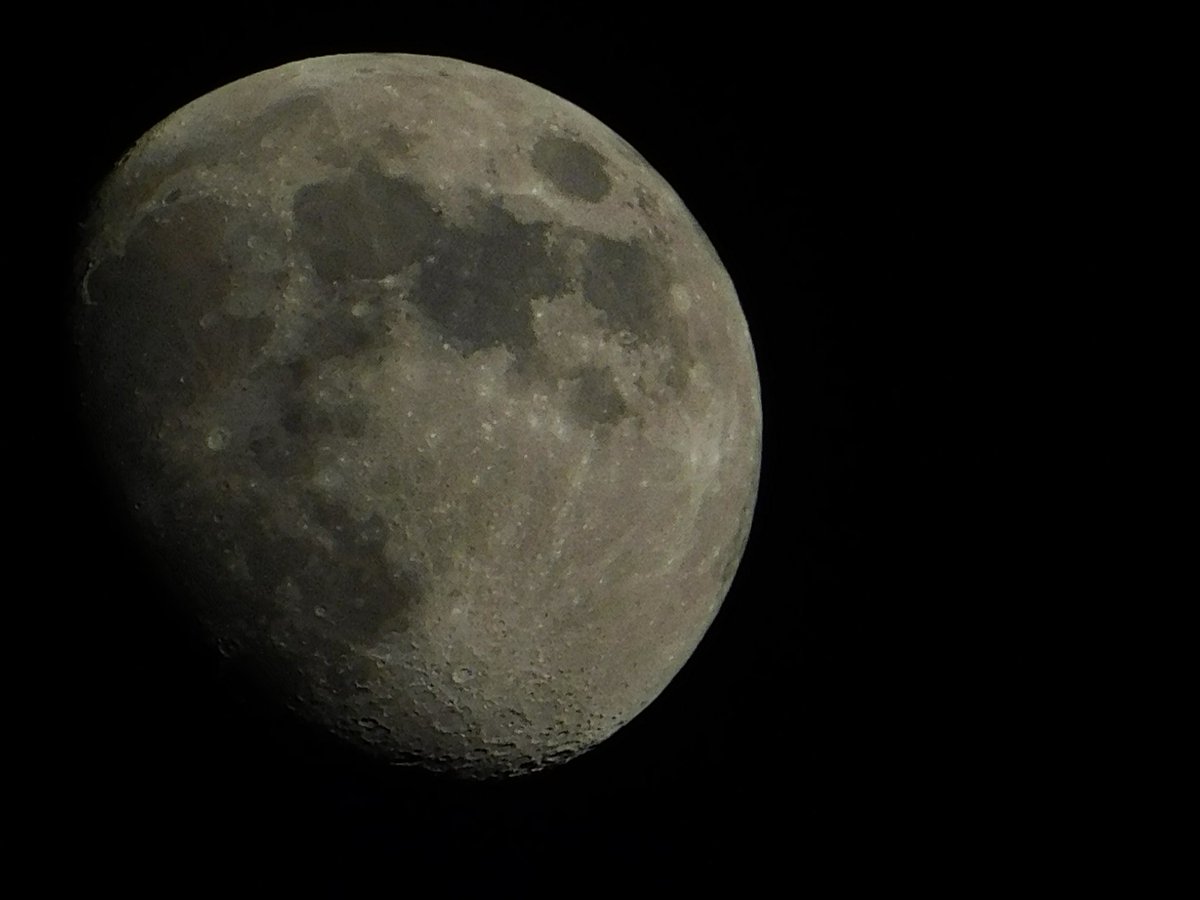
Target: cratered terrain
431	397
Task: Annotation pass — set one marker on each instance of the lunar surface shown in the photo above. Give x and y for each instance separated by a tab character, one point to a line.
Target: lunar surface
431	398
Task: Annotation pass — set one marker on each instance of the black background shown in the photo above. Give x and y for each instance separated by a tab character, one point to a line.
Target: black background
835	722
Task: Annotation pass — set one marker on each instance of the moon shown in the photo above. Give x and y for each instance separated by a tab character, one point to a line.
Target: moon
432	399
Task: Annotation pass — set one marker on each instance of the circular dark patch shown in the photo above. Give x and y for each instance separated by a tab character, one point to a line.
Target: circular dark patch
575	168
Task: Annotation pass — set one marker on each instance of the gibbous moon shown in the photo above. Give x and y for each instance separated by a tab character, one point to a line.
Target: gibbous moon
430	396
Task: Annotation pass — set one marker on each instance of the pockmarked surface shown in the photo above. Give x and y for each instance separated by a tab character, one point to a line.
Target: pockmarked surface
431	396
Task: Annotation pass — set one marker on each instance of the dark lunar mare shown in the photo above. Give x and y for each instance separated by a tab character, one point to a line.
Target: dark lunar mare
476	281
164	296
574	167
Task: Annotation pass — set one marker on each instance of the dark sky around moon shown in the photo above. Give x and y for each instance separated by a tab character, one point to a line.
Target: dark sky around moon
821	711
